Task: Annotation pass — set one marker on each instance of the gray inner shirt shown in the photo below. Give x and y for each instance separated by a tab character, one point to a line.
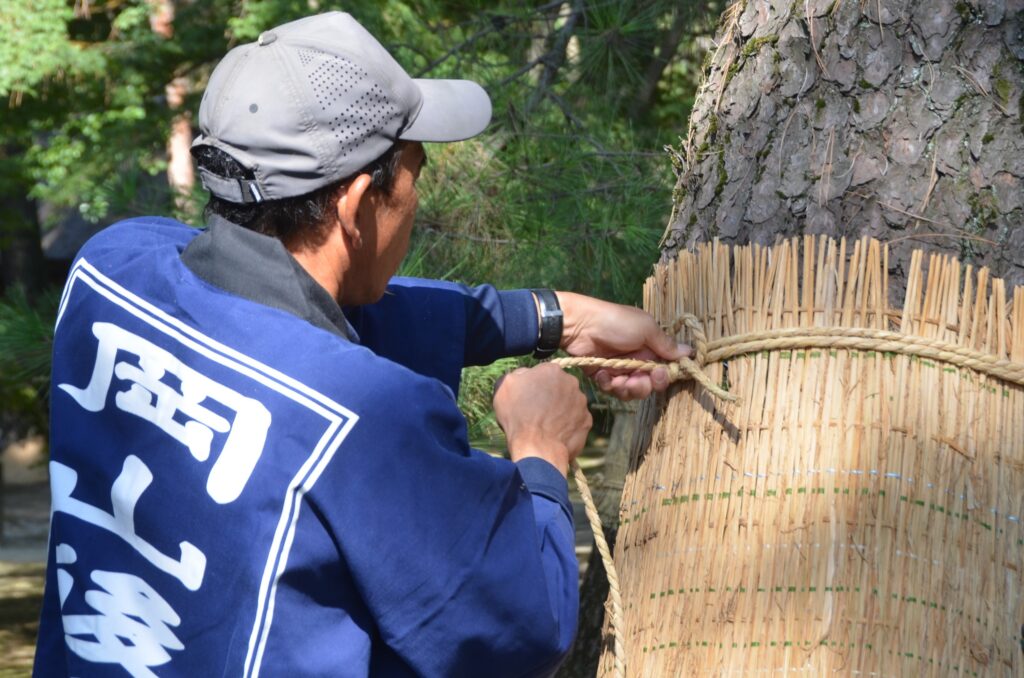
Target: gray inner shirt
257	267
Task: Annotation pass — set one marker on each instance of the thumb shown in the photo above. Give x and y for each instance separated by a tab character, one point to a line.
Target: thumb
665	346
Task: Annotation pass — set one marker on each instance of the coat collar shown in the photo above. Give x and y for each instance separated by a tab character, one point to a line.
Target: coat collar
259	268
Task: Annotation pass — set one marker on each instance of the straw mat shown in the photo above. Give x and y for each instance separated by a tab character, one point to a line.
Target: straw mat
858	511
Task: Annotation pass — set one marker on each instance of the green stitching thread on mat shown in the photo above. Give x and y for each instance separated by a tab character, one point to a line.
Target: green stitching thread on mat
792	588
965	374
947	511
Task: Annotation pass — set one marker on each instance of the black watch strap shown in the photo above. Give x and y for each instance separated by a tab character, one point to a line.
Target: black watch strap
549	323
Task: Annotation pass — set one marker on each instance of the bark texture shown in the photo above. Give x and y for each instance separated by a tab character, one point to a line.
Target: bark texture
898	119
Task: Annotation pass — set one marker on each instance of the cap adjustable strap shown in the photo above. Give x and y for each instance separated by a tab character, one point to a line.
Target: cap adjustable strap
246	191
250	190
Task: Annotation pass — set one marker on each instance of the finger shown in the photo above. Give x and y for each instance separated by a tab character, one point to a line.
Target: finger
617	386
663	345
639	385
643	354
659	379
630	386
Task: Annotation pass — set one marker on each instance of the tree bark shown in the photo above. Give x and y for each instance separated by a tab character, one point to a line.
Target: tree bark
898	119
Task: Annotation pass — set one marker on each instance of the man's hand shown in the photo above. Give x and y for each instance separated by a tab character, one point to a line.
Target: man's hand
592	327
543	414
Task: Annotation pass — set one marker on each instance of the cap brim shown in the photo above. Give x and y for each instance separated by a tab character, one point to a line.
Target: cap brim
452	110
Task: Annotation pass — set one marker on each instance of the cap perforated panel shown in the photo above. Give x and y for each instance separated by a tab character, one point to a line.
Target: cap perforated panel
336	81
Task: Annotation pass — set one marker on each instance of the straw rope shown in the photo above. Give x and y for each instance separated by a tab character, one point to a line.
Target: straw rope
770	340
619	648
859	338
684	368
863	338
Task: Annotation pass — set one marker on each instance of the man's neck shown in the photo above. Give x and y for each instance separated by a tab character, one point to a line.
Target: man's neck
326	264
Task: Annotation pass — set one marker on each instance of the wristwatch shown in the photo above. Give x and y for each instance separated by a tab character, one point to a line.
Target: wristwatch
549	323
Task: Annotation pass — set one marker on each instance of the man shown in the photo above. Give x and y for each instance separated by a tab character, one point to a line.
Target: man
248	479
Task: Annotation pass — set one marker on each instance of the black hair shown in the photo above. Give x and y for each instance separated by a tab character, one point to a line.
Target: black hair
299	220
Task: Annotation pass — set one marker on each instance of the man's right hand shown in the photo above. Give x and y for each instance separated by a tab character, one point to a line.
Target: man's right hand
543	413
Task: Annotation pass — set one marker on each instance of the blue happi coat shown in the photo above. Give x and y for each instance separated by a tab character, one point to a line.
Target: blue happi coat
244	488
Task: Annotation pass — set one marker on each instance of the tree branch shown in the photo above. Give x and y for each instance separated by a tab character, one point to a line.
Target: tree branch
666	52
554	59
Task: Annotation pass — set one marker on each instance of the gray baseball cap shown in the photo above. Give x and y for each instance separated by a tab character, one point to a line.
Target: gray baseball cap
316	100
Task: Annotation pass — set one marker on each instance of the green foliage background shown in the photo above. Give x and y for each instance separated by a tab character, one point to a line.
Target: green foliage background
568	188
26	332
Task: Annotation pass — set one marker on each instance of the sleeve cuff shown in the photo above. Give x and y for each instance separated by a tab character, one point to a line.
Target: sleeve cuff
520	316
543	479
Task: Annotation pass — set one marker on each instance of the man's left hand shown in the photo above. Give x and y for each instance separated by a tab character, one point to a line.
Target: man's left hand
592	327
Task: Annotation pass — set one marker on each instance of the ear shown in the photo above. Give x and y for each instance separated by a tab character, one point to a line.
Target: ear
348	205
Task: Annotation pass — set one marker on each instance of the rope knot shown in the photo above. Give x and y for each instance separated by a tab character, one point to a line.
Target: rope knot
700	340
684	368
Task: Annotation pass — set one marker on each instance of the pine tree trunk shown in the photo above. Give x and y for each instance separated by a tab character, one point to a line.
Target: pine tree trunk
180	174
898	119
